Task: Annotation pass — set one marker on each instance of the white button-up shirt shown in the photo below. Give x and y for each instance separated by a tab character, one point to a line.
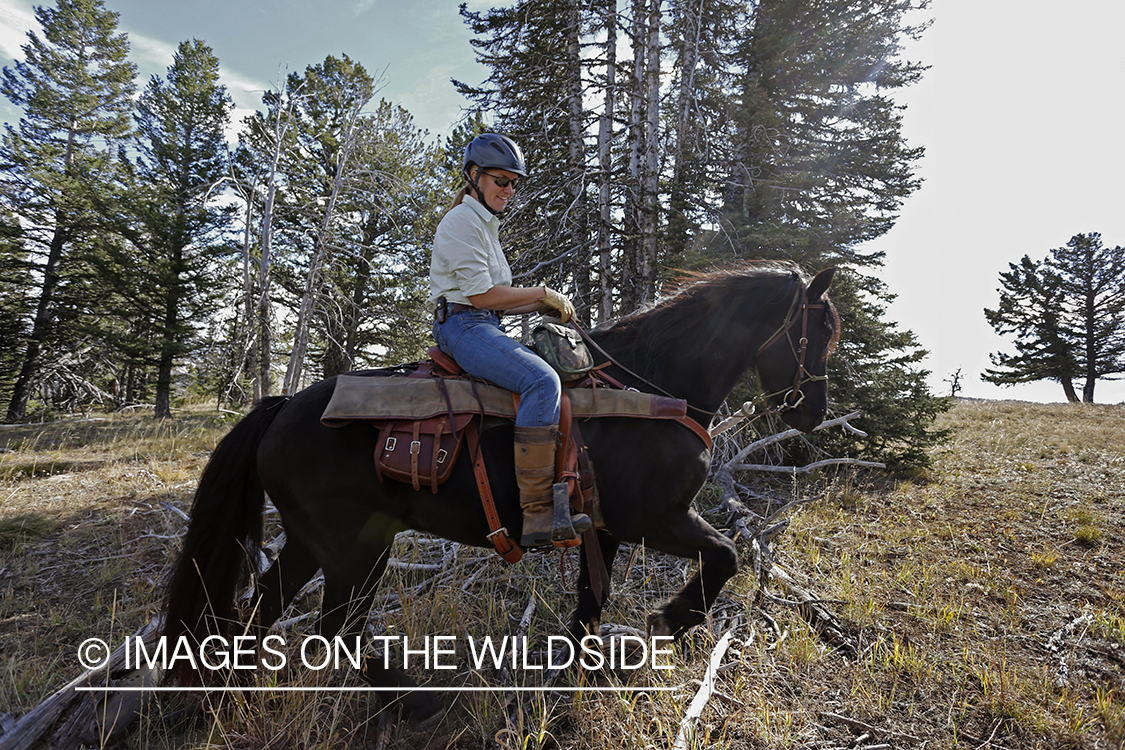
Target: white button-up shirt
467	258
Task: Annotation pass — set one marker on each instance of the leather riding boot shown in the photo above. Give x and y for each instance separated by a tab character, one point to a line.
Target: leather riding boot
535	475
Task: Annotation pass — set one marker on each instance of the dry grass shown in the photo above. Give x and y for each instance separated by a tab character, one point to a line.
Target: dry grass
985	602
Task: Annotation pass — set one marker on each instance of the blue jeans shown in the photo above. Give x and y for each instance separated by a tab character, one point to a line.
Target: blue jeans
475	339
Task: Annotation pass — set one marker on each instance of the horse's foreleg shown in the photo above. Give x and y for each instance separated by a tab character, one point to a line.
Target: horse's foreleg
587	615
691	537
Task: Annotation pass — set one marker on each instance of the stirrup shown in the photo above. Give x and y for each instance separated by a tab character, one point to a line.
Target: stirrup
567	528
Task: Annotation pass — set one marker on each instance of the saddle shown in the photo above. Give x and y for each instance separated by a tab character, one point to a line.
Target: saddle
424	426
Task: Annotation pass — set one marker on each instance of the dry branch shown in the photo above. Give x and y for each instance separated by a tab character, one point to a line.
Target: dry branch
735	463
865	727
699	702
794	470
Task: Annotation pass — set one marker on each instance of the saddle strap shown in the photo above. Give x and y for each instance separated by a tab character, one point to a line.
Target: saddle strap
498	535
595	562
415	451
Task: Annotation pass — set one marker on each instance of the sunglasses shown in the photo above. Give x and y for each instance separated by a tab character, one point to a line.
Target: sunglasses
502	181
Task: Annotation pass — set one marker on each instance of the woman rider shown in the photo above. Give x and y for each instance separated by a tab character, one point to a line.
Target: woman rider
471	286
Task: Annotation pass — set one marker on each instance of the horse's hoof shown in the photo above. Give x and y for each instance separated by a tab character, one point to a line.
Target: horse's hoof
422	710
658	626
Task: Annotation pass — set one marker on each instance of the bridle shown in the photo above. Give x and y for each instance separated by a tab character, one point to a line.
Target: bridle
798	311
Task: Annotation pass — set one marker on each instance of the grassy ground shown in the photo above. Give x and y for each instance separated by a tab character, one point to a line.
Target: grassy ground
983	603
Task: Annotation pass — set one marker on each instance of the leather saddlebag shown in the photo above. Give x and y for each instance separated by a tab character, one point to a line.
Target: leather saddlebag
420	452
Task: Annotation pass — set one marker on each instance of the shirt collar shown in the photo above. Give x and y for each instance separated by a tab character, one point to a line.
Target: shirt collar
483	212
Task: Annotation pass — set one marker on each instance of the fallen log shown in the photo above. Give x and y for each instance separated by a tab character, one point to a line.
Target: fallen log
74	717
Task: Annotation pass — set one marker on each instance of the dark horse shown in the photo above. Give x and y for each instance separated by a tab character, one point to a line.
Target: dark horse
338	517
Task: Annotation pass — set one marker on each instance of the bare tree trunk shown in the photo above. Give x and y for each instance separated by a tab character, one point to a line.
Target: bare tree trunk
579	223
631	269
1090	313
163	399
1068	389
264	385
650	227
689	22
605	166
281	125
250	361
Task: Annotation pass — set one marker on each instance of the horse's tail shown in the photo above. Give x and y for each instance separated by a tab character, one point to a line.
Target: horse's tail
222	540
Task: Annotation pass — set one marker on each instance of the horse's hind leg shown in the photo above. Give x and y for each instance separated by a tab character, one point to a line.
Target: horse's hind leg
276	587
349	591
691	537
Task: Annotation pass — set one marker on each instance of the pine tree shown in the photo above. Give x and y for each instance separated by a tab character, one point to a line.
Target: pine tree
1067	314
702	41
75	88
1030	308
181	122
16	300
376	311
771	134
822	165
354	200
534	94
328	125
819	166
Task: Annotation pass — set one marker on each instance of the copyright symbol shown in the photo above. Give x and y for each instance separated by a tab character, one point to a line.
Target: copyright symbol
93	653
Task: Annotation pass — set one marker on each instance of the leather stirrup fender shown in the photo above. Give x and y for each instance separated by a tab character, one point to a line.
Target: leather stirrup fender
505	546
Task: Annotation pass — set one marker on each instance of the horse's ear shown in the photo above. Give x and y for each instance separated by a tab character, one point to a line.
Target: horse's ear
819	285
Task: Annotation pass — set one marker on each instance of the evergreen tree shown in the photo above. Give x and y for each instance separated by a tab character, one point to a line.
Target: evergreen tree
877	370
774	136
821	164
180	127
1030	308
377	292
320	181
703	48
534	94
16	301
354	203
1067	314
75	88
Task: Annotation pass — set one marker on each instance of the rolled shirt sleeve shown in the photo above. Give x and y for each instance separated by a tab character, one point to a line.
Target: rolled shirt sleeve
467	258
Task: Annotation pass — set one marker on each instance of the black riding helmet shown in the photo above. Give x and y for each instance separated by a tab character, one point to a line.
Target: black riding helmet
493	151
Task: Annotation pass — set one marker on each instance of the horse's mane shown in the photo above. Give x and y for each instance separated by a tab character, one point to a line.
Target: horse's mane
697	297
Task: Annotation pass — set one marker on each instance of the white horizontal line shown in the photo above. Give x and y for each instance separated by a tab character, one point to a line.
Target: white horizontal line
423	689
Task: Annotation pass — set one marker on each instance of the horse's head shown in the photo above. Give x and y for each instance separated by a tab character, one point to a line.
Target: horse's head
792	363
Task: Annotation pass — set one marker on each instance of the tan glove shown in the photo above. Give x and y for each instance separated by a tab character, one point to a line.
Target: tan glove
553	300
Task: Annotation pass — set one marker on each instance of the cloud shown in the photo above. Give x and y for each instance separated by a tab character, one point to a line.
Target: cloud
15	22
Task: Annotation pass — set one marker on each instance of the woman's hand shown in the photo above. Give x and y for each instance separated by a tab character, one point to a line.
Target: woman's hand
553	300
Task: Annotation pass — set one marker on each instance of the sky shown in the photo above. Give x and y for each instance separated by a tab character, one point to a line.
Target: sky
1021	116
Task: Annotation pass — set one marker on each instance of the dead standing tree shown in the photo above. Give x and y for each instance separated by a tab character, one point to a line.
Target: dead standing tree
322	246
265	141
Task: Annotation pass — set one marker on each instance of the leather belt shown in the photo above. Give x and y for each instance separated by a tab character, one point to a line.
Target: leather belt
443	309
